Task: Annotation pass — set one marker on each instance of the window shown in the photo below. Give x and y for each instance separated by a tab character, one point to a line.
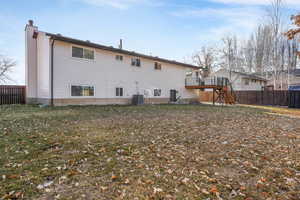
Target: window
78	52
136	62
157	92
88	54
246	81
82	91
119	57
119	92
157	66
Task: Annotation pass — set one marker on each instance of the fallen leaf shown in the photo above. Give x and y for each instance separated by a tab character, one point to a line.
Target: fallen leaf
214	189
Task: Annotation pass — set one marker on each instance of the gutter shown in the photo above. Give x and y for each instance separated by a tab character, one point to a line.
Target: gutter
51	73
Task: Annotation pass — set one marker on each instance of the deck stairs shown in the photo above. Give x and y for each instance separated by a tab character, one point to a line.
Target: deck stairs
223	92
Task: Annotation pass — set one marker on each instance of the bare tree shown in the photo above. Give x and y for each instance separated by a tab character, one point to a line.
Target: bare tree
262	46
277	54
248	53
206	60
274	55
228	54
6	65
267	52
232	57
292	35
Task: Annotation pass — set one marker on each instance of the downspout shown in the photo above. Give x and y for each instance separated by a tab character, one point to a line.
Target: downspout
51	74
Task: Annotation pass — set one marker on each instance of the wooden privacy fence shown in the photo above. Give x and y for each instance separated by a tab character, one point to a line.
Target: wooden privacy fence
276	98
11	94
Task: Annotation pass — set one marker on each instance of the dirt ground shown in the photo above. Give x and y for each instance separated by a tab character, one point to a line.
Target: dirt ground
149	152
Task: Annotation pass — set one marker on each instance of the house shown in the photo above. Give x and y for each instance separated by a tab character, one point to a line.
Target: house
283	79
65	71
242	81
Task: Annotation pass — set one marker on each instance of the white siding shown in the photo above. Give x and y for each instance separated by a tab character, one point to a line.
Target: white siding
105	73
30	62
43	66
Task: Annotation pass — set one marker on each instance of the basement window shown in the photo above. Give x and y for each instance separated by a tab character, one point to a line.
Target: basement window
136	62
157	92
78	52
119	92
157	66
82	91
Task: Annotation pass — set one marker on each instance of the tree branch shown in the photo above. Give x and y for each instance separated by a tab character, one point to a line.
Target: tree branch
6	66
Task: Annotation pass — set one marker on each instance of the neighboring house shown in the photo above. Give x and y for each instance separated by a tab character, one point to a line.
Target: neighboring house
66	71
242	81
284	79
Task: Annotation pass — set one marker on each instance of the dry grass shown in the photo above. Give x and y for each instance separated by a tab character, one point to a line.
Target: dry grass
278	110
148	152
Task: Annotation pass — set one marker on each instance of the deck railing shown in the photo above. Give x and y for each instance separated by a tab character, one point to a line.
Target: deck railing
209	81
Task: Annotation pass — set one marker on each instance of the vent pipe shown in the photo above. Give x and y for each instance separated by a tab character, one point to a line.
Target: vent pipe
121	44
30	22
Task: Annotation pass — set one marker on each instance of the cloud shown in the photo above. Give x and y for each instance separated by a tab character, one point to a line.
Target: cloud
237	20
256	2
122	4
219	22
230	13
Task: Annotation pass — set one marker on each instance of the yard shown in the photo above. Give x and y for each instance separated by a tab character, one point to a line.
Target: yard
149	152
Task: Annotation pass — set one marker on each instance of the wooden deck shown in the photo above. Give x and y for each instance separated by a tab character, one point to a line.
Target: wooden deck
222	92
204	87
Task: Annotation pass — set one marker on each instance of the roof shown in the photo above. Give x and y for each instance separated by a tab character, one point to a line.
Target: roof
250	76
295	72
116	50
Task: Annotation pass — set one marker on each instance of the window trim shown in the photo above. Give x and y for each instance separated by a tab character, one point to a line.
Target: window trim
82	85
85	59
122	92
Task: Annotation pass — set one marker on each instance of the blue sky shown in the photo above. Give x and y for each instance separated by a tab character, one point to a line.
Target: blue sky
172	29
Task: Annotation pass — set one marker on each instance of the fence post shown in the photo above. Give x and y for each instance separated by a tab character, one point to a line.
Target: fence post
273	98
262	97
256	98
